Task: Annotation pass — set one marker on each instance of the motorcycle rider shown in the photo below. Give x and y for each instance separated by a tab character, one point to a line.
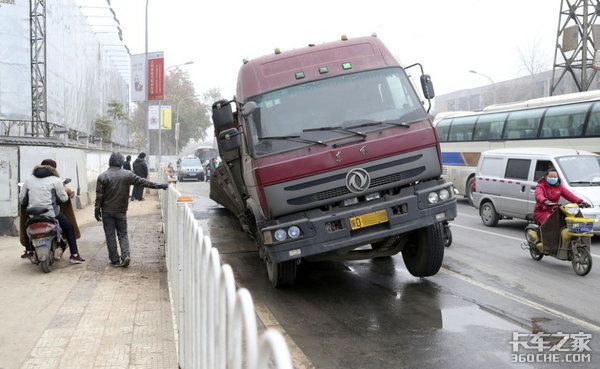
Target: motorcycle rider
548	191
112	201
43	189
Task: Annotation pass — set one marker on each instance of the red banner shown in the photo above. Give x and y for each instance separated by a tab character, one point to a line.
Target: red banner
156	76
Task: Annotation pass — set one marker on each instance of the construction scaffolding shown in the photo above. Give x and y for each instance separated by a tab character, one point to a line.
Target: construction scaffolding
575	54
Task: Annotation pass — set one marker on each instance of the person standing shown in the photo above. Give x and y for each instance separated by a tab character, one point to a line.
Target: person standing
112	201
127	163
140	168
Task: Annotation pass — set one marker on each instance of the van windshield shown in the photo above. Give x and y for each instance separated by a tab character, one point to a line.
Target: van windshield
581	170
295	116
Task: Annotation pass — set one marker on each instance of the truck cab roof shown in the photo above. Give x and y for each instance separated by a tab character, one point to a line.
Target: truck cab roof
278	70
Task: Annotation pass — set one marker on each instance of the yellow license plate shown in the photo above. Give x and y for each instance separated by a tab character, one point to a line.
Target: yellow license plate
367	220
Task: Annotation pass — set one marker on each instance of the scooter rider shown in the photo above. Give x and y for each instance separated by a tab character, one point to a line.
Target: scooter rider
549	191
43	189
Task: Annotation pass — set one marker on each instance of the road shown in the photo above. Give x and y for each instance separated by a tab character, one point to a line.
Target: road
374	314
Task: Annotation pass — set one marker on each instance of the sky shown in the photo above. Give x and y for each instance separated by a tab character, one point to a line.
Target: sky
448	37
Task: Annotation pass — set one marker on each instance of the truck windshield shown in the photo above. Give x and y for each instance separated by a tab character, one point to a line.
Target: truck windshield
299	111
581	170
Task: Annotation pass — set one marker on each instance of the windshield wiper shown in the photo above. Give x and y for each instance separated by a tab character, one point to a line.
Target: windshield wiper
293	138
335	128
368	123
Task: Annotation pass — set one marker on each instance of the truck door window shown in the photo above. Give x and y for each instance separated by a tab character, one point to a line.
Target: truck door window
518	169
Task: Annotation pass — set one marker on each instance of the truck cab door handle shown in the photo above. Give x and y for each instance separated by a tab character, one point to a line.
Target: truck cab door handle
523	188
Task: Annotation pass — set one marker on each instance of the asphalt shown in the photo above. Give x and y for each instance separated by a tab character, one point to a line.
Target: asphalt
89	315
374	314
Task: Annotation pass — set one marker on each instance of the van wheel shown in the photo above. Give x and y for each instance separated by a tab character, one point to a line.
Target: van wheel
423	255
469	191
281	274
488	214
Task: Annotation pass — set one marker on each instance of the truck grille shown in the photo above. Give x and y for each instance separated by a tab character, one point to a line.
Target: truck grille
341	191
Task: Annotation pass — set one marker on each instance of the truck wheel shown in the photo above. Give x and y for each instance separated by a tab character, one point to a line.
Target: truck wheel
488	214
281	274
469	191
423	256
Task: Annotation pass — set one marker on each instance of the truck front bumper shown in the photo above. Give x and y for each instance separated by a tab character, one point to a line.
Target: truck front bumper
326	231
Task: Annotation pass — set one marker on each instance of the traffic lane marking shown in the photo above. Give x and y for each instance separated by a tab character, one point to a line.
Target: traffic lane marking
522	300
498	234
467	215
299	359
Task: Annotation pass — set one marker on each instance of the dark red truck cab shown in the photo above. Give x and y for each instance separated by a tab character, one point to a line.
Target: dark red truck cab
330	150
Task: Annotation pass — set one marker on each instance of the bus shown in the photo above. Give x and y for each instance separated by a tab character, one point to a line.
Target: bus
205	153
569	121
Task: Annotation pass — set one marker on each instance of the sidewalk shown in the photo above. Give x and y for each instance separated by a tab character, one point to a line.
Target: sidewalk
90	315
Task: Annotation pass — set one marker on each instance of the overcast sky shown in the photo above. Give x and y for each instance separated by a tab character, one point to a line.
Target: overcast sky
448	37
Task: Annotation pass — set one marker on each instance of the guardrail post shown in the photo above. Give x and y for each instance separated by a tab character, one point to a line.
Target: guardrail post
183	202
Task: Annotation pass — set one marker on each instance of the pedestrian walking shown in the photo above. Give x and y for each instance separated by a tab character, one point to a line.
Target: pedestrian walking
127	163
112	201
140	168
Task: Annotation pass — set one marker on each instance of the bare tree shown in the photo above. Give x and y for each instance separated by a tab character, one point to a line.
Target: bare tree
534	61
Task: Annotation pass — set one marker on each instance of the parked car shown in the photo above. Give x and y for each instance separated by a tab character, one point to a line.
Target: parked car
506	179
190	168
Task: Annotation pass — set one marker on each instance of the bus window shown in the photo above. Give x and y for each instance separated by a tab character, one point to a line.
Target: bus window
523	124
593	128
489	127
564	121
462	129
443	127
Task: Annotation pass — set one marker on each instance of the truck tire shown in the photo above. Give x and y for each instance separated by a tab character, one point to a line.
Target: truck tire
281	274
423	255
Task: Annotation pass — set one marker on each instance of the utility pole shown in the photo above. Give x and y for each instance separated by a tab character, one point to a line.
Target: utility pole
575	52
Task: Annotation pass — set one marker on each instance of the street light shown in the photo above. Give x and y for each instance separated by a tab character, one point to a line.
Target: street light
160	115
488	77
177	122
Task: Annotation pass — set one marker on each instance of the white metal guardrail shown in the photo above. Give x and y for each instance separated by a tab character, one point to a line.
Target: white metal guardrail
216	323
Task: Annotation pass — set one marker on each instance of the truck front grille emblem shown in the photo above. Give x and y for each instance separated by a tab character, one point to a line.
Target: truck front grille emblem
358	180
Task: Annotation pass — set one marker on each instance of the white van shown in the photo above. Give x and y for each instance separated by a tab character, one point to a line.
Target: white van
505	181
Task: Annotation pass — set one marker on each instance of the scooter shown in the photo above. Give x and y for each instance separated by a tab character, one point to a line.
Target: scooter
565	235
45	237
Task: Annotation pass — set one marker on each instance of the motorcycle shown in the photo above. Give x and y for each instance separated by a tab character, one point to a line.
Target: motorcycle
45	237
565	235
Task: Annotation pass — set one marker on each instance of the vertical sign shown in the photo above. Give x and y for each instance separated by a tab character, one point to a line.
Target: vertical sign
138	85
165	117
156	76
153	117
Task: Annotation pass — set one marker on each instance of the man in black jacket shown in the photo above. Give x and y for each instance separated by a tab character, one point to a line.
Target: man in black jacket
140	168
127	163
112	200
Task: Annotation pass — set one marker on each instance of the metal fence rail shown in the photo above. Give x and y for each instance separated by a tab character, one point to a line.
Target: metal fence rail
215	322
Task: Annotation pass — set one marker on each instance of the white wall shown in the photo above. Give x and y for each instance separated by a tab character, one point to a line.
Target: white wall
9	190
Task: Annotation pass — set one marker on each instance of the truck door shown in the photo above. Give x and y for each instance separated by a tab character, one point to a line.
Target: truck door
540	169
515	188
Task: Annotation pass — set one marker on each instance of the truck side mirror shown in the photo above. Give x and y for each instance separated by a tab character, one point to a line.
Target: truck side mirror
427	86
249	108
229	139
222	115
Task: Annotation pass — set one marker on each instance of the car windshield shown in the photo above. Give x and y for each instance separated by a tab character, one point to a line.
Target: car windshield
580	170
291	117
191	163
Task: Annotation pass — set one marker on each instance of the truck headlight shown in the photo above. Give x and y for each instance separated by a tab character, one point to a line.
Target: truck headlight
280	235
433	197
293	232
444	195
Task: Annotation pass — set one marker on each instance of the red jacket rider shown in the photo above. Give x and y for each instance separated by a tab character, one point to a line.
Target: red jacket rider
549	190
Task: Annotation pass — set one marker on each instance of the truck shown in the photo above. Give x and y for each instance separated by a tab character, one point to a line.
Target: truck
328	153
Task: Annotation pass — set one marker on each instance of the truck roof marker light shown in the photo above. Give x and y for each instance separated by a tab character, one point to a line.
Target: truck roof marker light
323	70
374	34
347	66
244	61
344	38
299	75
277	51
185	198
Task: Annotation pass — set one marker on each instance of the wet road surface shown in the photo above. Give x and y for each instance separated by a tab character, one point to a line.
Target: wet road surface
374	314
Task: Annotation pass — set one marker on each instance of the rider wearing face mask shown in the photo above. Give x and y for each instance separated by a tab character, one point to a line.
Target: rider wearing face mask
548	191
